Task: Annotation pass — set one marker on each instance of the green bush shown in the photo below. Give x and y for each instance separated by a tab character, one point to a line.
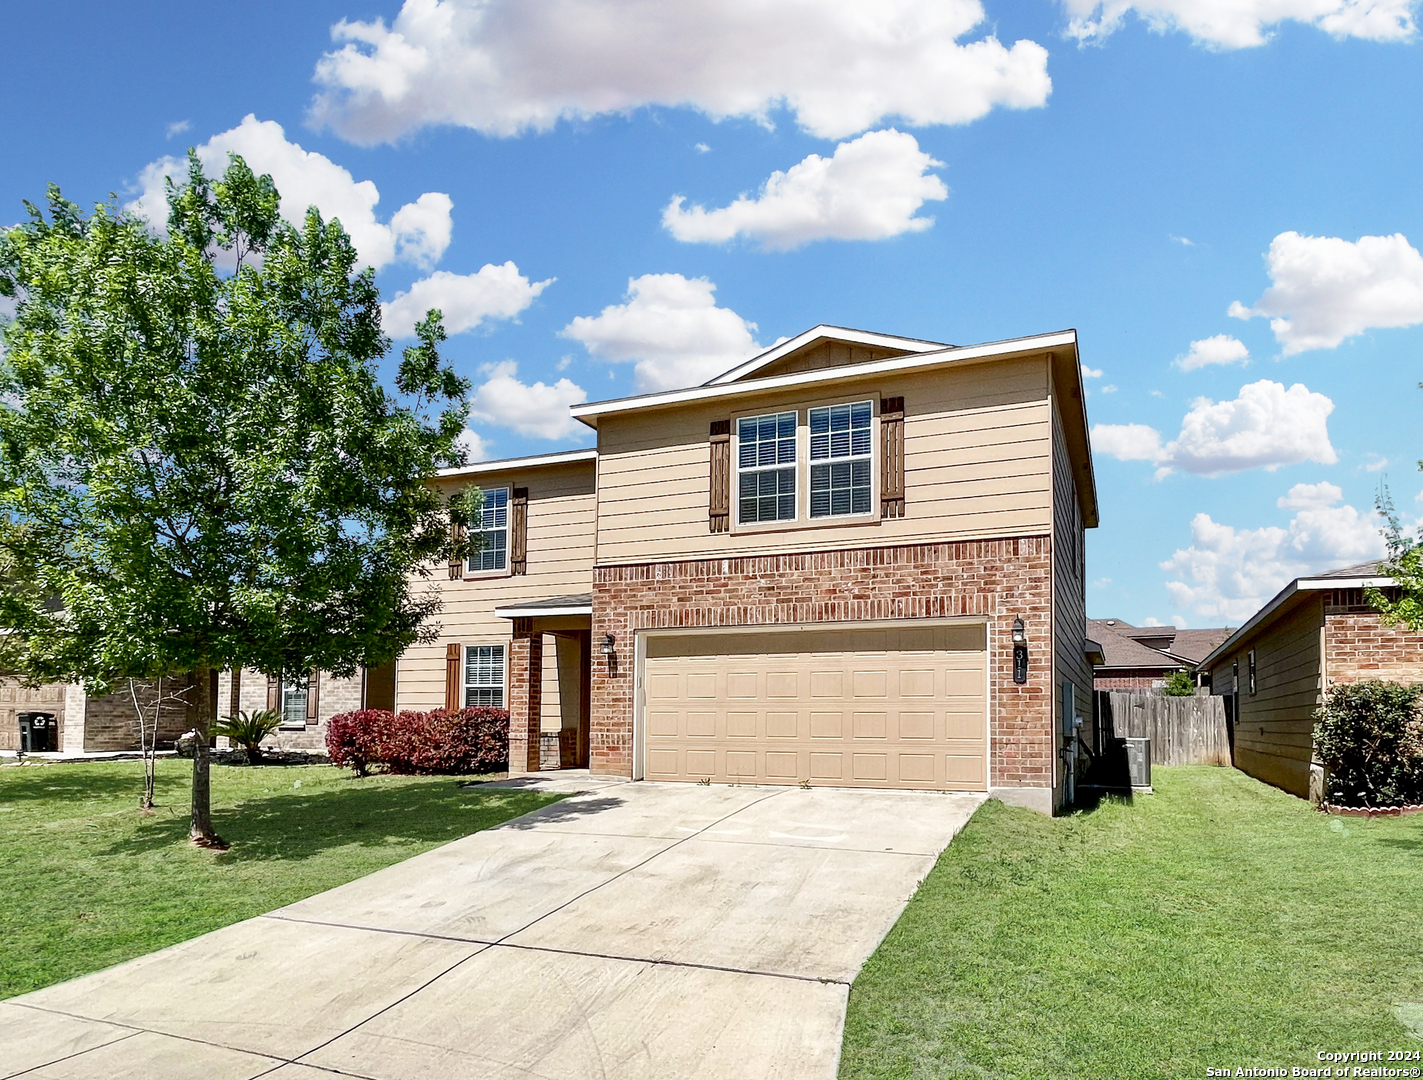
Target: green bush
1369	736
1179	684
247	730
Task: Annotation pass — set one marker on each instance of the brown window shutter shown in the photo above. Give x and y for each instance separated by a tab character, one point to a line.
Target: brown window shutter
456	560
891	460
519	532
313	696
452	677
719	505
234	697
274	691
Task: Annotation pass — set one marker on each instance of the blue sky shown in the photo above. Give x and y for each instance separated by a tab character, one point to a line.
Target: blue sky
1131	170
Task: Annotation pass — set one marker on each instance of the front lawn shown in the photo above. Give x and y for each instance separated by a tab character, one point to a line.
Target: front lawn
1217	923
87	881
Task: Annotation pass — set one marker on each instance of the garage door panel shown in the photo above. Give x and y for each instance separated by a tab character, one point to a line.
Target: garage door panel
741	725
882	708
871	725
782	725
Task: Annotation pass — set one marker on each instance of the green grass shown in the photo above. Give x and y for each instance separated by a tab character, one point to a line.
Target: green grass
86	880
1219	922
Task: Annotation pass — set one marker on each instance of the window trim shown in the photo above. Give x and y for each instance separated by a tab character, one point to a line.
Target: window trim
465	684
1251	659
508	567
872	458
803	520
283	688
737	472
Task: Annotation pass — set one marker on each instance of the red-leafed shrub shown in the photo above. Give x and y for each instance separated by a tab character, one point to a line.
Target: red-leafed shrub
465	741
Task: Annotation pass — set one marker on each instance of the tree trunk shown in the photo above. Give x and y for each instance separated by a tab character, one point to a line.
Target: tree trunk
201	830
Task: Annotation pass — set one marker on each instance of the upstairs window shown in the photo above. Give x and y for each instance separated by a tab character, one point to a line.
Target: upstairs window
766	468
493	526
841	455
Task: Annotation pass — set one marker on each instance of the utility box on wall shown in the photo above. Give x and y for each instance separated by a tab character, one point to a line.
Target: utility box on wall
1139	763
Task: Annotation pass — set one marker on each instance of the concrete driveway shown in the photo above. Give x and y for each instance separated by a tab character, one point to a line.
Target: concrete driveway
631	931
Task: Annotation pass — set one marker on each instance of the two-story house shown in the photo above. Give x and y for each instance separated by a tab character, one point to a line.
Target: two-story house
854	560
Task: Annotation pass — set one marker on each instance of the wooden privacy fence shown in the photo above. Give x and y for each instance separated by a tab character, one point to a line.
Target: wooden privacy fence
1182	730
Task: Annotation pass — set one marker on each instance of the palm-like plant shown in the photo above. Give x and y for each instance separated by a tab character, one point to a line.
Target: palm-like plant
248	730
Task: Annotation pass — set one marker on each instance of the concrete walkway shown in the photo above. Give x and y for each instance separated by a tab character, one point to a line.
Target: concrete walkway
632	931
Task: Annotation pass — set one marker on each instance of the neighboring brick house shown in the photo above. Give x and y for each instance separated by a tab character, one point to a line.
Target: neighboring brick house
107	723
305	704
1139	658
1273	671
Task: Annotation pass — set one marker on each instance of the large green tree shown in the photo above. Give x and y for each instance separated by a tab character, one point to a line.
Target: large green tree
199	466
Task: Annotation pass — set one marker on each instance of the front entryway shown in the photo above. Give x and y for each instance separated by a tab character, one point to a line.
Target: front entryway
892	706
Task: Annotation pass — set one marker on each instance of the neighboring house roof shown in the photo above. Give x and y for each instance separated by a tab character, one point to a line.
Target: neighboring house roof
1120	650
560	458
1061	345
1358	576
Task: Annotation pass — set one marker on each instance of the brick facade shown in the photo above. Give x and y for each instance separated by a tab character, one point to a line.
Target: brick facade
1146	682
334	695
526	652
997	579
15	699
1358	646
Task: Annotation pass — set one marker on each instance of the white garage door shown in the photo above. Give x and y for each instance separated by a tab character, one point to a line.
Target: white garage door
897	707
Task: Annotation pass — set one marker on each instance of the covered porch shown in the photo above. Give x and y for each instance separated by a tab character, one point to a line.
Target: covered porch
550	665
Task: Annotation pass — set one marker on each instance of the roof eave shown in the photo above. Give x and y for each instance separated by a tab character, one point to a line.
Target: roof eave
589	413
1299	585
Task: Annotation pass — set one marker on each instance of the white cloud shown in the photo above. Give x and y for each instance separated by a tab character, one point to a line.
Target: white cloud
1229	573
1310	496
474	445
1156	393
1179	621
702	148
417	233
869	190
1220	349
504	67
1376	463
1265	427
1326	289
537	410
1152	620
1238	24
1091	373
1184	241
1110	388
1101	582
177	127
671	328
465	300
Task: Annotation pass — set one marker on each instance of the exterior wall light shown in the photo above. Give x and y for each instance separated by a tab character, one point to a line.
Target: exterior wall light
608	642
1020	651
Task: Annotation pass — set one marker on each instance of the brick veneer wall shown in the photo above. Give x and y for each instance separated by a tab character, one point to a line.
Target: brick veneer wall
999	579
335	695
526	651
1128	682
1358	646
110	722
15	699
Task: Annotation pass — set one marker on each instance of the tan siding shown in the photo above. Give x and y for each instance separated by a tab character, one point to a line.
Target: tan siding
824	355
562	514
977	464
1274	732
1069	591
